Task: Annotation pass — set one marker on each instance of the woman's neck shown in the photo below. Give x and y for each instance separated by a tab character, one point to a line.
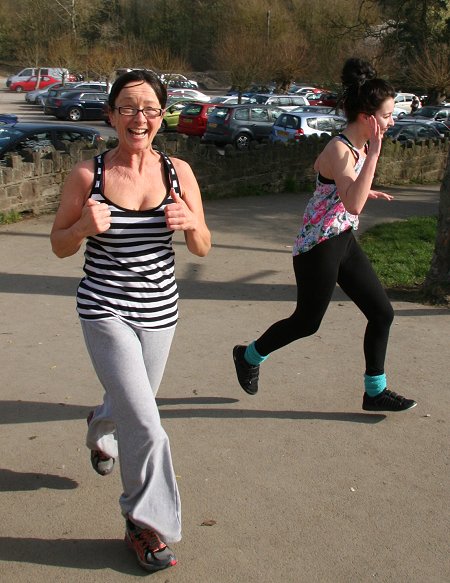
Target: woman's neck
356	134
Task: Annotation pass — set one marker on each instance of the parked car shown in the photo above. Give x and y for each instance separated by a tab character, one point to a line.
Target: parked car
172	115
404	101
8	118
410	130
330	99
76	105
41	136
28	72
240	124
231	99
314	109
193	118
189	93
286	102
96	86
32	97
252	90
180	84
442	128
304	89
168	77
31	83
434	112
291	126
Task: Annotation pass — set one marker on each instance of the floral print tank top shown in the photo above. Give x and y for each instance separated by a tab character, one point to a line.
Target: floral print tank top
325	215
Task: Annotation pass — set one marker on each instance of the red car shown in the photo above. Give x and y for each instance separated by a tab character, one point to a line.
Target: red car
329	99
30	83
193	118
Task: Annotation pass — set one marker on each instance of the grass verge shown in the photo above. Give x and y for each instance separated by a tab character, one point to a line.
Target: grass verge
401	254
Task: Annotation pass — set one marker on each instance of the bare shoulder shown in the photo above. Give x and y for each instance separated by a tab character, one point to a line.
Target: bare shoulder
78	183
83	171
182	167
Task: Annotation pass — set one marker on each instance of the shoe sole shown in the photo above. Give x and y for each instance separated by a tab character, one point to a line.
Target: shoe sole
389	410
249	392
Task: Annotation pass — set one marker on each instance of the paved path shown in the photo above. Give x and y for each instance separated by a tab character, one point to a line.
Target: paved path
302	485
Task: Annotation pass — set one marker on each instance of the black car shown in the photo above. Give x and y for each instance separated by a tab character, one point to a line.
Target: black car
434	112
76	105
407	130
43	136
240	124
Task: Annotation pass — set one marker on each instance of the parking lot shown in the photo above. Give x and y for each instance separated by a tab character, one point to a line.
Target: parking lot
11	102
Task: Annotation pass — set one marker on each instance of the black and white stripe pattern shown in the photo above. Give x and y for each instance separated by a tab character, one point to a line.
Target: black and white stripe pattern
129	269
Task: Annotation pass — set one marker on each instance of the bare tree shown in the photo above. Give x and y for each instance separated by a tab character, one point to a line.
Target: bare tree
437	283
245	57
431	69
287	58
162	60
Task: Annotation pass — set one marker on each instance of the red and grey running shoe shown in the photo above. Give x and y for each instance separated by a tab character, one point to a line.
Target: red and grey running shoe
152	554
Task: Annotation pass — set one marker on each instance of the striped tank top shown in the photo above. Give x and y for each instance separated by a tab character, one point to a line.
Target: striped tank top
130	268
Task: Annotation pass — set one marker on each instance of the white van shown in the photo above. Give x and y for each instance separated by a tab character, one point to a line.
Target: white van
56	72
403	101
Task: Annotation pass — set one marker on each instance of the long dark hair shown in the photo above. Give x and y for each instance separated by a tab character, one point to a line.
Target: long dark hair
138	76
363	91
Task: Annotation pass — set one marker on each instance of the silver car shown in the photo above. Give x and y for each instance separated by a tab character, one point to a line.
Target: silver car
291	126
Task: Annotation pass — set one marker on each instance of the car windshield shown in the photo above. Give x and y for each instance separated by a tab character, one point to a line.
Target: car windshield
192	109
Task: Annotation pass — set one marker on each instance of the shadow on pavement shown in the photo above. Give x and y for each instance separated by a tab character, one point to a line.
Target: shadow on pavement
33	412
11	481
71	553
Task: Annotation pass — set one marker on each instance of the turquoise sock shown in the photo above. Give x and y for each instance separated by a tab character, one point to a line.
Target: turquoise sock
374	385
252	356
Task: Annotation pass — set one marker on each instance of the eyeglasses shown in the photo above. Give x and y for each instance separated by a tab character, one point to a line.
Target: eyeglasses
149	112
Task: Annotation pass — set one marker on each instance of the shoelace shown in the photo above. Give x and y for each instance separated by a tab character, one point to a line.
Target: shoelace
150	539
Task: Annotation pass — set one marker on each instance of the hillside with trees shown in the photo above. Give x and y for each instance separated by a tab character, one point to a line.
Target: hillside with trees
254	41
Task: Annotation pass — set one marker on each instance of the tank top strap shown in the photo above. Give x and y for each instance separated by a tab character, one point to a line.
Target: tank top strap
171	173
348	143
97	186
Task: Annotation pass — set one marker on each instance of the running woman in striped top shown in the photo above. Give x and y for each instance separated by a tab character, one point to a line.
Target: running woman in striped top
125	205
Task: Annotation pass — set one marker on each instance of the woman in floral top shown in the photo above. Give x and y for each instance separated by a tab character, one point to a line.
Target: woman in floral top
326	252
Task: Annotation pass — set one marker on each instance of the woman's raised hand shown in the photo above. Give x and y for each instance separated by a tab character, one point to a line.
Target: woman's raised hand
179	216
375	138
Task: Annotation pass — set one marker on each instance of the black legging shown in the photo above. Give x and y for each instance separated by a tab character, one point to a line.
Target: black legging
339	259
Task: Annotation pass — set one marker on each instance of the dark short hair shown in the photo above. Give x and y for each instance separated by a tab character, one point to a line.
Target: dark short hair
138	76
363	91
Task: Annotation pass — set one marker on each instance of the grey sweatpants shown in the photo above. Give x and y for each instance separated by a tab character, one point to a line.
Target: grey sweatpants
129	363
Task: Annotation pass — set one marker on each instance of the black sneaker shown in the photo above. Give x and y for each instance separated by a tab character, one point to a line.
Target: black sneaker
152	554
247	374
387	401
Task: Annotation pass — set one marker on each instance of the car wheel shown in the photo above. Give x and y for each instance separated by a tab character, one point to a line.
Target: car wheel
74	114
19	89
242	141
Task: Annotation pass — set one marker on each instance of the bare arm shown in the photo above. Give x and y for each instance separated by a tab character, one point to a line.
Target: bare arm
78	216
186	214
337	162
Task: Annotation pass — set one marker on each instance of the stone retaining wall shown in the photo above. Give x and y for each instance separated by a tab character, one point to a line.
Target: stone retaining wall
32	183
